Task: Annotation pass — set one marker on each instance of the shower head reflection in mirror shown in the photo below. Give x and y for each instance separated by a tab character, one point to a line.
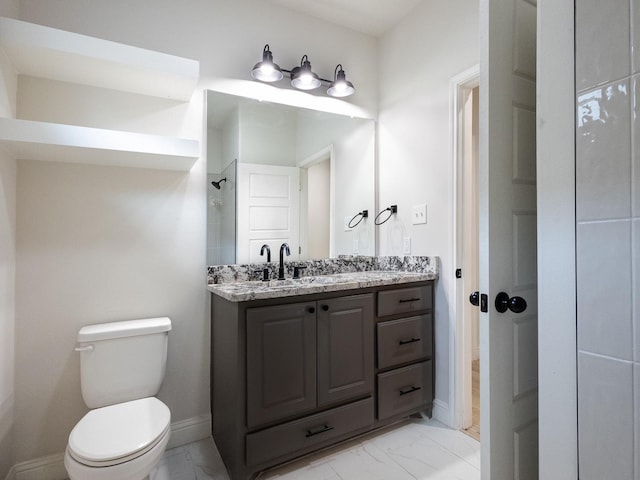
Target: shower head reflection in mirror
216	185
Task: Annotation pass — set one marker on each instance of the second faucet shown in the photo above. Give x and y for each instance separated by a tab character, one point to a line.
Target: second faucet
283	248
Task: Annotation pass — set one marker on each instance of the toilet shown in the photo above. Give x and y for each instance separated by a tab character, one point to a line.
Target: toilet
124	435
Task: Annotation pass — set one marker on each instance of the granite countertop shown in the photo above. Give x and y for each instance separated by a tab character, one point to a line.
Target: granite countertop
241	291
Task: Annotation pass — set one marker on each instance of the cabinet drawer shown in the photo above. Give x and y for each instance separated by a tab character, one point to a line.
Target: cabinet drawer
404	390
404	340
404	300
304	434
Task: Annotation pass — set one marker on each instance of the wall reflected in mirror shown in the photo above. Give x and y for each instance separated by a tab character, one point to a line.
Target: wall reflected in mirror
281	174
221	216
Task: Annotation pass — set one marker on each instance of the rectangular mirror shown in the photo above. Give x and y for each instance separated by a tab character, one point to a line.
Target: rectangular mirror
281	174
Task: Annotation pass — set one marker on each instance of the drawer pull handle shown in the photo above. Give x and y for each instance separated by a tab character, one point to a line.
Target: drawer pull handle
406	391
409	300
323	429
412	340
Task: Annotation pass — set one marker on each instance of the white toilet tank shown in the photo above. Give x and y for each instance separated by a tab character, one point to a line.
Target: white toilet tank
122	361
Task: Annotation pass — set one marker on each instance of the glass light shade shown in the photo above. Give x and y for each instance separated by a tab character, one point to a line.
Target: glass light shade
267	72
340	87
303	78
306	81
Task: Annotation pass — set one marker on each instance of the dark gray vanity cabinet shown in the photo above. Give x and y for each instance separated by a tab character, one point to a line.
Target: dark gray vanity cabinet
291	375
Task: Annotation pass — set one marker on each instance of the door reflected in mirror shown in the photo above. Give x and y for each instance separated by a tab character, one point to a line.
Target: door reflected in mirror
281	174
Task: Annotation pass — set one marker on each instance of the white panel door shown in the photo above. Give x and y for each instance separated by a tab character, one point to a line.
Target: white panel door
508	262
268	210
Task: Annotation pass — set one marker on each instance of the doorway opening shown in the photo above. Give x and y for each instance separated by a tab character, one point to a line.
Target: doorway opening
466	346
316	204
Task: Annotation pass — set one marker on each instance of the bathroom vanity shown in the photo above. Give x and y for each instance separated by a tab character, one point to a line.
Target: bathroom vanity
299	365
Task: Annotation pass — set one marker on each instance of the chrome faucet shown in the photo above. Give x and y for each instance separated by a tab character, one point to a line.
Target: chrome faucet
266	247
283	248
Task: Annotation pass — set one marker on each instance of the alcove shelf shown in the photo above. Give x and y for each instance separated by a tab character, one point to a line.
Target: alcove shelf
45	52
27	139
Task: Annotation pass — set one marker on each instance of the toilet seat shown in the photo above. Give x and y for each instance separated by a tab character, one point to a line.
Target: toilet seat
119	433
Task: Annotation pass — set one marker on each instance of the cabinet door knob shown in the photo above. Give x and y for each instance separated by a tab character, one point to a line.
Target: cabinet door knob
325	307
311	309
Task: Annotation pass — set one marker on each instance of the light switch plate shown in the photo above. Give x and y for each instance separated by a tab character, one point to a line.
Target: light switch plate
346	224
419	214
406	245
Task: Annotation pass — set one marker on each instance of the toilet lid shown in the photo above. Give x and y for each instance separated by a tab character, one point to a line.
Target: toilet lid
117	431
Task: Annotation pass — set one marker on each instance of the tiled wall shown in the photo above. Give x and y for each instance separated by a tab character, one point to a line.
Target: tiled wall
608	237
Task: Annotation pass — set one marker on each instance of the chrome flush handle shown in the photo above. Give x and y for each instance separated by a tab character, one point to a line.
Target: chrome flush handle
85	348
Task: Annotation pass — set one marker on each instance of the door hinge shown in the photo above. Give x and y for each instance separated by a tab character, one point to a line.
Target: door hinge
458	273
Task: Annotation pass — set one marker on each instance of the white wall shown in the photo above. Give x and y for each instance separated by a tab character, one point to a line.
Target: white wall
7	308
353	181
267	135
97	244
354	151
8	81
417	59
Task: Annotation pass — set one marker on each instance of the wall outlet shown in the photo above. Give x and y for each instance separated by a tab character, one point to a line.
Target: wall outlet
419	214
355	246
406	245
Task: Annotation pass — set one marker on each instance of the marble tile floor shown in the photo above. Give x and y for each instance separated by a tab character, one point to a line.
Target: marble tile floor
414	450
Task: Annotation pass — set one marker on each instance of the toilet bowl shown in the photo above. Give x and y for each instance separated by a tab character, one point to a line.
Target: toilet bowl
123	441
125	434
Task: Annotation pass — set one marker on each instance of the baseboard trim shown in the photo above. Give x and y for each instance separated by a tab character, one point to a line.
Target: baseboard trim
52	467
190	430
11	474
44	468
441	412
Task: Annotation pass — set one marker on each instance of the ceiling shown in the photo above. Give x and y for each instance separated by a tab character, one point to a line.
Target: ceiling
373	17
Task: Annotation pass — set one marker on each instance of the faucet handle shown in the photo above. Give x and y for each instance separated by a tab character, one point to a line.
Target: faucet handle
296	270
265	274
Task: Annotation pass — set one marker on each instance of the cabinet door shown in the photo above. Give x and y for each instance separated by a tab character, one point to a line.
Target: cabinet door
345	348
281	362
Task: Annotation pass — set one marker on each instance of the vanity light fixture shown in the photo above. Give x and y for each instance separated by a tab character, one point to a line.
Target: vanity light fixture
266	70
302	77
340	87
